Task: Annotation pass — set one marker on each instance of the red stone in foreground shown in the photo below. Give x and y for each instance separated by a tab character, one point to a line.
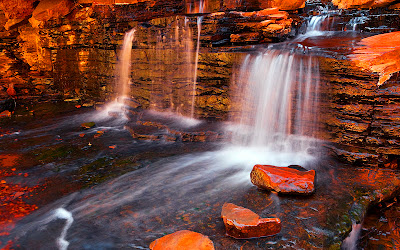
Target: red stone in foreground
182	240
242	223
285	180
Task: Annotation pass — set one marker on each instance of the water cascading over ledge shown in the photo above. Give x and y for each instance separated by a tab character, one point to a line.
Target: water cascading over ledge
276	99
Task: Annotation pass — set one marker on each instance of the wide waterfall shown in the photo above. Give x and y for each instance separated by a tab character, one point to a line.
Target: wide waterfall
278	95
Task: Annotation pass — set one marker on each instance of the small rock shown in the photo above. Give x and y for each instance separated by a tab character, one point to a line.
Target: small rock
184	239
242	223
88	125
286	180
273	27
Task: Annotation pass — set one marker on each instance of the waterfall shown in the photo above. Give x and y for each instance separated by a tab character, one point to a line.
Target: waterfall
278	96
324	21
122	80
196	62
124	66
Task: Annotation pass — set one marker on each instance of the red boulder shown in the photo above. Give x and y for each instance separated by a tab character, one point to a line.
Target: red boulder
288	180
242	223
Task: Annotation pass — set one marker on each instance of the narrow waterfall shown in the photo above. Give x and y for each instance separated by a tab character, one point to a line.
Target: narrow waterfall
278	92
196	62
116	108
124	66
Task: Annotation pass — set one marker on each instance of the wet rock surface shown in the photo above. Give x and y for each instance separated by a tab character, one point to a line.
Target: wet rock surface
45	158
379	54
183	240
381	226
242	223
361	112
285	180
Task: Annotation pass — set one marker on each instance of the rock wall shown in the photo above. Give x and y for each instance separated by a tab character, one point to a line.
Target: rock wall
74	56
362	118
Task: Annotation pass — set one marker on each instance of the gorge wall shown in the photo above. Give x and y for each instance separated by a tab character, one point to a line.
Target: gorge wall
64	50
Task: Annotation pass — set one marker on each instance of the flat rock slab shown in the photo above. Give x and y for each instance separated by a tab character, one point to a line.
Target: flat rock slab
183	239
286	180
242	223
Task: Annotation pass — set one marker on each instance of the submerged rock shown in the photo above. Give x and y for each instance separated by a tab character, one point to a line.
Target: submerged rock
286	180
183	239
242	223
88	125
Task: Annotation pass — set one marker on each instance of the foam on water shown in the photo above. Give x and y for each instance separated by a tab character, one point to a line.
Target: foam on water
178	119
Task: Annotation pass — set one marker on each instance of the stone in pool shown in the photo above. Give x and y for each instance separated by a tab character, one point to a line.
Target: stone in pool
242	223
286	180
184	239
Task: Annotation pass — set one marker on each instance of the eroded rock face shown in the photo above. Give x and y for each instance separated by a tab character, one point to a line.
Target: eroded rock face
288	4
257	4
16	10
287	180
242	223
349	4
379	54
183	240
48	9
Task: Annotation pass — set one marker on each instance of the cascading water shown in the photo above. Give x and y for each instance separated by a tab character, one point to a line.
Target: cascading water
199	21
123	79
124	66
279	93
324	21
196	63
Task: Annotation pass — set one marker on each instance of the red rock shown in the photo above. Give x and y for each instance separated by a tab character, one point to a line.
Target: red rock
242	223
283	179
182	240
11	91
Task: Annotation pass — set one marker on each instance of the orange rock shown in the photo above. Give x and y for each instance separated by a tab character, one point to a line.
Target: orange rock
350	4
278	16
49	9
379	54
265	23
17	9
182	240
267	11
283	179
242	223
286	4
274	27
245	37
